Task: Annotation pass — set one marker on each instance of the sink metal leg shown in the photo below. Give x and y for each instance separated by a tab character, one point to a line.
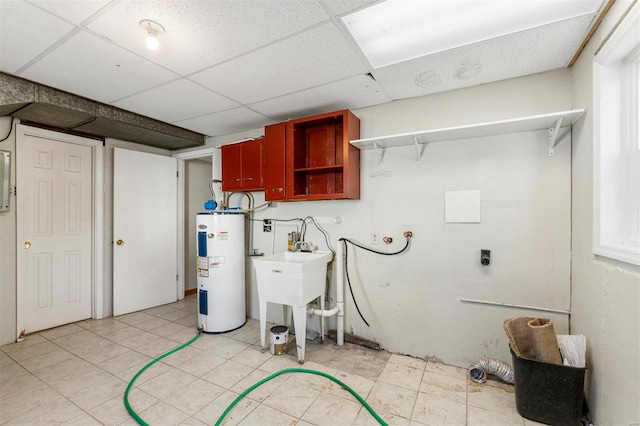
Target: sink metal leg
287	314
300	324
263	322
322	318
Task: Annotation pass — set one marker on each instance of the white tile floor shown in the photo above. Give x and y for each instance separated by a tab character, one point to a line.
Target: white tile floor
77	375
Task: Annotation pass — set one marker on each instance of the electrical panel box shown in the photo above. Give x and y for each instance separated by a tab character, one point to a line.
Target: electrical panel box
5	180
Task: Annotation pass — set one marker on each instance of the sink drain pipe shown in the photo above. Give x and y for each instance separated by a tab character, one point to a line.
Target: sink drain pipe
338	310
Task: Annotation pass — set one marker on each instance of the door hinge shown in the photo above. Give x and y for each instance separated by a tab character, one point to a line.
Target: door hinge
176	277
177	174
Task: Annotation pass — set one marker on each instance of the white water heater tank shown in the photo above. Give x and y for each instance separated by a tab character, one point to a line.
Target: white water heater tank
221	271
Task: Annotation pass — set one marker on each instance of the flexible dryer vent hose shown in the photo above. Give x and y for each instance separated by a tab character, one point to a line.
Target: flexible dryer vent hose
478	371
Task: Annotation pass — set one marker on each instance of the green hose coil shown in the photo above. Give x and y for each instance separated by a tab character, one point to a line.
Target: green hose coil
140	421
302	370
130	409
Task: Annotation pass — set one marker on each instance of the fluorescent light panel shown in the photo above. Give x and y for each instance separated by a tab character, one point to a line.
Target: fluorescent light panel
399	30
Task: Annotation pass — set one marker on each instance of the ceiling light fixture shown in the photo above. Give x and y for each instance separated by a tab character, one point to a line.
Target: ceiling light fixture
394	31
153	30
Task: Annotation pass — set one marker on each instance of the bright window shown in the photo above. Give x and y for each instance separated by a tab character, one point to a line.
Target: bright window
617	143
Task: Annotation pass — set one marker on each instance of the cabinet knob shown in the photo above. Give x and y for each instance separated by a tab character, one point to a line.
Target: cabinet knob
248	179
119	242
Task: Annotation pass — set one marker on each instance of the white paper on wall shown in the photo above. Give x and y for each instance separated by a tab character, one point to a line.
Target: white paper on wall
462	206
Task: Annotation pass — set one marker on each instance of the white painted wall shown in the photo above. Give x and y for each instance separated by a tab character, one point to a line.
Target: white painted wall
411	300
8	245
197	178
605	294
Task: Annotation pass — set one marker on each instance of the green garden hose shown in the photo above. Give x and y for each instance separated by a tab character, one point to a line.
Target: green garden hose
302	370
138	419
131	411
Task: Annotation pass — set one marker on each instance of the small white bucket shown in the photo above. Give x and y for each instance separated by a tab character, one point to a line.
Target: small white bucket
278	340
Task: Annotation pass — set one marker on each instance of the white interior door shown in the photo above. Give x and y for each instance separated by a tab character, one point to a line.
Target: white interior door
58	226
144	230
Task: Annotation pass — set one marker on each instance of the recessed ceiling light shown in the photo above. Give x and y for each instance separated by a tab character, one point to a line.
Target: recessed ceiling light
394	31
153	30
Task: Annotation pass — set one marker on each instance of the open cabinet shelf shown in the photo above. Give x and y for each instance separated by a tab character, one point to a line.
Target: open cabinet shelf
553	122
321	163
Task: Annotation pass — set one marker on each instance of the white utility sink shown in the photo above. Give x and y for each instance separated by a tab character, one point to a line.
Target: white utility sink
290	261
294	279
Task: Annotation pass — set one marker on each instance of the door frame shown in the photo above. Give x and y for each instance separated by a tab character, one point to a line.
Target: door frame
182	157
97	150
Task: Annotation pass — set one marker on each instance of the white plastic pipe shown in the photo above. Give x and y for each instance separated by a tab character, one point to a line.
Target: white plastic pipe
340	293
337	310
326	313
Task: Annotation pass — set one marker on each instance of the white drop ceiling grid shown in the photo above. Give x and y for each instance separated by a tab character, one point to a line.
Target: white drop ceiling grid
226	66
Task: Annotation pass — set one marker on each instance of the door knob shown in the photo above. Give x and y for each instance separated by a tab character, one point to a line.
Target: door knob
119	242
27	244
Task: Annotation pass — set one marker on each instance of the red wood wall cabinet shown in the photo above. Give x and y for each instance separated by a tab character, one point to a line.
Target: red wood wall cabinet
304	159
274	163
321	164
242	166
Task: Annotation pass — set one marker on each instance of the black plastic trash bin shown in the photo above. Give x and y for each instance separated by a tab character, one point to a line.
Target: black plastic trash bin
548	393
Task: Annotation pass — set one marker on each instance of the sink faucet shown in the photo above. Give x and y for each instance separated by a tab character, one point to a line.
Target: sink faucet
302	246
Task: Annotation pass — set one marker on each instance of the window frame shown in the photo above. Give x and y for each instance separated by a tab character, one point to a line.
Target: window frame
616	89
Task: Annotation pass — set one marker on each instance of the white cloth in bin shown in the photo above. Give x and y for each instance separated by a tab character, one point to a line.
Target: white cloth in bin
573	349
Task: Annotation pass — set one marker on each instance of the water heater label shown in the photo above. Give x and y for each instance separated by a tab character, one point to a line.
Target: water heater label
223	235
215	261
203	267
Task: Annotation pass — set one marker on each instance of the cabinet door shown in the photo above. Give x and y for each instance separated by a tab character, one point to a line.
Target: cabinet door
274	162
252	165
232	167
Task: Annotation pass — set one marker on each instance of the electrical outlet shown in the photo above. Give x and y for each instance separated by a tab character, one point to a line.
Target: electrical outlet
266	225
375	238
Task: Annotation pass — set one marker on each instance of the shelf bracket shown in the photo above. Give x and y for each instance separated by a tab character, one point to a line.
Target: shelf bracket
553	136
379	152
419	149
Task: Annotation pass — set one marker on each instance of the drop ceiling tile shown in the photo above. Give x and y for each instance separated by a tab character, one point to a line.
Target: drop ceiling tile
353	93
75	12
312	58
89	66
203	33
528	52
25	32
225	122
176	100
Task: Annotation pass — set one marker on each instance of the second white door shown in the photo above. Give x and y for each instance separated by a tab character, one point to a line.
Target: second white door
144	231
